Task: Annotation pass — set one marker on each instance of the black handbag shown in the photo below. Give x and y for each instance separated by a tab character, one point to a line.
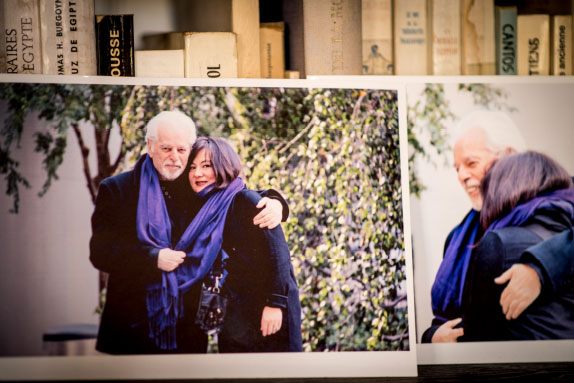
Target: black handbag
212	305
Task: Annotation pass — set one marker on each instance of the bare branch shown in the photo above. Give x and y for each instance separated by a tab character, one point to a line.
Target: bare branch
299	135
85	153
357	107
118	160
392	304
393	338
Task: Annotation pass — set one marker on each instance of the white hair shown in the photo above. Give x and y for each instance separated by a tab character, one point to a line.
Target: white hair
173	118
500	131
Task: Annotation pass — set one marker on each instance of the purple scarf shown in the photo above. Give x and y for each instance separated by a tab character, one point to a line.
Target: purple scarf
562	200
202	241
446	292
447	289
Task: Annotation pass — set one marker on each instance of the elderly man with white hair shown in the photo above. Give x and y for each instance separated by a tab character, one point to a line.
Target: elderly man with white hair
122	223
482	137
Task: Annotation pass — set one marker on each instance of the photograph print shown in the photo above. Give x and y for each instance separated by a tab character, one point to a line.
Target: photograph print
492	215
156	219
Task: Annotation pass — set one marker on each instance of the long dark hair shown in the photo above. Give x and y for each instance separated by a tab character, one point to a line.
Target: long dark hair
225	161
518	178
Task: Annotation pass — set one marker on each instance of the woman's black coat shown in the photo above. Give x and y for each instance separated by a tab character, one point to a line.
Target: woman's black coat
259	274
551	315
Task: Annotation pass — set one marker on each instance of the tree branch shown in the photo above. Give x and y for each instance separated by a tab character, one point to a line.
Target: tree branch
298	136
357	108
395	302
393	338
85	153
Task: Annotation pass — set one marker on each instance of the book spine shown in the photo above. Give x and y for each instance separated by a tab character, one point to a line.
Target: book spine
446	44
562	45
377	28
272	53
245	25
412	49
80	38
506	44
210	55
332	31
22	42
52	34
115	45
478	47
2	40
159	63
533	44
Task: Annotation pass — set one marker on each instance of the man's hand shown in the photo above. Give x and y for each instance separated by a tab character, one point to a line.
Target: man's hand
522	289
271	320
271	216
169	260
446	333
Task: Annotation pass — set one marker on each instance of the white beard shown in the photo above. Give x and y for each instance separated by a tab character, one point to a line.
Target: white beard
169	176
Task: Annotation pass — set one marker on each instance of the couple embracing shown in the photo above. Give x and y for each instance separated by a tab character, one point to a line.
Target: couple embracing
179	219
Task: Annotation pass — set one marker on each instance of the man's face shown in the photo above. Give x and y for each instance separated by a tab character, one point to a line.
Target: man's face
170	151
472	159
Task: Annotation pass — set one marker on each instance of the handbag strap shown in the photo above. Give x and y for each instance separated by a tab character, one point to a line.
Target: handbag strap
214	279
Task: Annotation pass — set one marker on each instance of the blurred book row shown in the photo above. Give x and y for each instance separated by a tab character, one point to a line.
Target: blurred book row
293	38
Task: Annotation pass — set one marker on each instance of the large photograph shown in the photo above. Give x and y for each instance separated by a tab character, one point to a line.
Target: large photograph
168	219
492	216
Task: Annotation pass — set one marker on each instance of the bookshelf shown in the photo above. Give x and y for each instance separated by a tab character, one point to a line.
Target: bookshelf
441	48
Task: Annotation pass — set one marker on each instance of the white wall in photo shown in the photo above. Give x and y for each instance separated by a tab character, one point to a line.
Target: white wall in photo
46	278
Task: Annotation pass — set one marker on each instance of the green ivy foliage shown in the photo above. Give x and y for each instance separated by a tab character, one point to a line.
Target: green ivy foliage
338	165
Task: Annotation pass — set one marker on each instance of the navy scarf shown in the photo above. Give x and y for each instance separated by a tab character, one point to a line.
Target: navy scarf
201	241
447	289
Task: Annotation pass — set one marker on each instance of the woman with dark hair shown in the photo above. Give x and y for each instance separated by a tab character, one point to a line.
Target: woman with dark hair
263	310
527	198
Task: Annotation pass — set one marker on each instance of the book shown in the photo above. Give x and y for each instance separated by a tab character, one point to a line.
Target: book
115	45
533	44
478	47
2	41
412	48
377	34
22	42
238	16
505	39
562	45
80	35
245	25
272	50
52	26
294	36
332	33
210	54
446	33
292	74
68	37
159	63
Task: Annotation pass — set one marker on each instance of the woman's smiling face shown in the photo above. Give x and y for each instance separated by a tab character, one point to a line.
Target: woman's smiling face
201	173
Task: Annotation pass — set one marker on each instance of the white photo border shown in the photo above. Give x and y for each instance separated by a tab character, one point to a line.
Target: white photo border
268	365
